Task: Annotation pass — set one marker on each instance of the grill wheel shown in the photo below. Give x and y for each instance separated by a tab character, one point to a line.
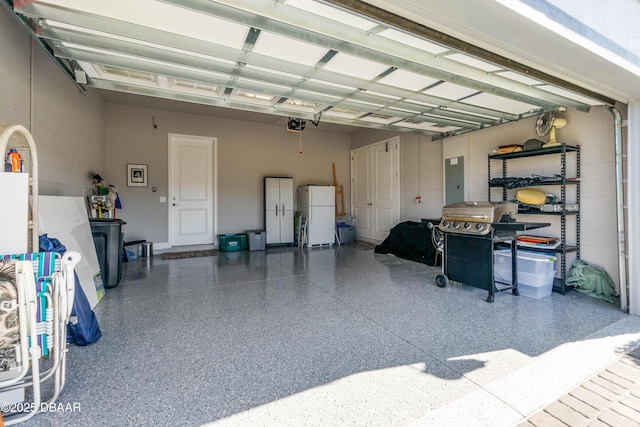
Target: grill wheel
442	281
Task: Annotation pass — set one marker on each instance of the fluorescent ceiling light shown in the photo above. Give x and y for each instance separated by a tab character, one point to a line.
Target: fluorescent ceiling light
332	13
288	49
355	67
412	41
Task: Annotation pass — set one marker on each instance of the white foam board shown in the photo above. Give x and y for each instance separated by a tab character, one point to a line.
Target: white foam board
66	219
14	215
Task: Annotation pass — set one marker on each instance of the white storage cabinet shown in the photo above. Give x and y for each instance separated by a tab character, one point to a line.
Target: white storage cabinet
278	210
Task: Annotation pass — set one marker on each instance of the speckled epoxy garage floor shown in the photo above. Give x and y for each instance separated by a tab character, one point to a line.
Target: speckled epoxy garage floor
332	336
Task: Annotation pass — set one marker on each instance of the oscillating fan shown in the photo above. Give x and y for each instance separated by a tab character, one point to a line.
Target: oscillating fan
548	123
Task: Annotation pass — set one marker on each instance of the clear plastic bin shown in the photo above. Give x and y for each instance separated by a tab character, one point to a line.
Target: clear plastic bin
529	285
528	262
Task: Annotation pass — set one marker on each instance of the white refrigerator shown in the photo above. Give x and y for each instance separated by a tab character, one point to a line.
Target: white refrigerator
318	205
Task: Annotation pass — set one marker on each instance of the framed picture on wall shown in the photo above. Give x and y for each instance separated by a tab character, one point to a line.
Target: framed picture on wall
136	175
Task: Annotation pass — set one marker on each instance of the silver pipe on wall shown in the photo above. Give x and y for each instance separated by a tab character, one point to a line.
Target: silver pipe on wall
620	209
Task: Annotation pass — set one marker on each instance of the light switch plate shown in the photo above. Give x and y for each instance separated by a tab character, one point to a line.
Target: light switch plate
163	199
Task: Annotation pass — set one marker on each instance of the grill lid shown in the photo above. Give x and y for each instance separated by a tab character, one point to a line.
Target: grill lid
482	211
476	217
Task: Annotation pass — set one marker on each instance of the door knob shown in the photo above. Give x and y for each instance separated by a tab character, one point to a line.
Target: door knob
175	204
370	204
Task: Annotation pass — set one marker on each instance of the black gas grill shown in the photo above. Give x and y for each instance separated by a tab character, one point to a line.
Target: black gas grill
471	231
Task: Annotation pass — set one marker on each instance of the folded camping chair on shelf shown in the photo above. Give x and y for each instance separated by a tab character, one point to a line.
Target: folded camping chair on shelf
36	297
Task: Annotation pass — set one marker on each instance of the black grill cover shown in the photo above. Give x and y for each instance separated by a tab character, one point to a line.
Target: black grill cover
410	240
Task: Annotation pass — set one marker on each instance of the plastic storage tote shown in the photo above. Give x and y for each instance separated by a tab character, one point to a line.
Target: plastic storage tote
535	272
232	242
528	262
256	240
346	233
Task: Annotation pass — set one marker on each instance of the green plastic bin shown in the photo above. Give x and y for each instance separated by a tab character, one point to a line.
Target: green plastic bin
232	242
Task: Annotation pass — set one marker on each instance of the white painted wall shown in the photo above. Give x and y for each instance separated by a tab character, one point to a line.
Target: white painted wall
247	151
67	126
422	169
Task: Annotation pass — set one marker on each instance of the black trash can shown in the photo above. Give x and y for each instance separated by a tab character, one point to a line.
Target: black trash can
108	238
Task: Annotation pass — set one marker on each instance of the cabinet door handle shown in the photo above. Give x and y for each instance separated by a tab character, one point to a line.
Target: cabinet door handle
282	210
276	210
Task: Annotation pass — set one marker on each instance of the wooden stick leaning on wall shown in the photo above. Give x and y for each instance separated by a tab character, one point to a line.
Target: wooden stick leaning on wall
339	211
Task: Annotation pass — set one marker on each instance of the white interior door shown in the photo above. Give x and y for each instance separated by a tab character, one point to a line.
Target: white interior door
386	196
361	191
192	213
375	172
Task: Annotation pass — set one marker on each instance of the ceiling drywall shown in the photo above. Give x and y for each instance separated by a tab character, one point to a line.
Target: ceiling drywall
330	62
